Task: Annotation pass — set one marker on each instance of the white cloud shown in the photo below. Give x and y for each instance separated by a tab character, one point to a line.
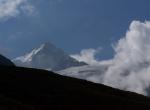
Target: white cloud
130	67
131	64
12	8
87	55
28	9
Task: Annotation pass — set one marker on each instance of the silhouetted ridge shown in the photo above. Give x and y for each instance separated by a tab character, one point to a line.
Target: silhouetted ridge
5	61
42	90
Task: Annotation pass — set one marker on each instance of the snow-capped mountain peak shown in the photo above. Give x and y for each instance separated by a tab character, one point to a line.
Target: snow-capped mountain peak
47	56
29	56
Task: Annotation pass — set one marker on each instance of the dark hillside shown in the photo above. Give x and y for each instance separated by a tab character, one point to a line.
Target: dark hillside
33	89
5	61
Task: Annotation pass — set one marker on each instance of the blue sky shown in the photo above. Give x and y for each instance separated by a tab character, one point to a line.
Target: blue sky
72	25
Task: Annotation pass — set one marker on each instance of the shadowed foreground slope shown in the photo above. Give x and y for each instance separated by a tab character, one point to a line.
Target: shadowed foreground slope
32	89
5	61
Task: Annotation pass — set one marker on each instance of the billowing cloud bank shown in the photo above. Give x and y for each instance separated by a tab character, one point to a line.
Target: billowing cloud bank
11	8
130	67
87	55
131	64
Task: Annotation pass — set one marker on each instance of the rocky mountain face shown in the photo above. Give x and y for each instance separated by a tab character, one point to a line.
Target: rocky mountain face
47	56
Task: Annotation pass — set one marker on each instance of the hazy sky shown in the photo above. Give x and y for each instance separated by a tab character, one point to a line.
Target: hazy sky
72	25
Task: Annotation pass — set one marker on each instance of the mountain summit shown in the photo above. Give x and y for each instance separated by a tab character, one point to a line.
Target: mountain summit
47	56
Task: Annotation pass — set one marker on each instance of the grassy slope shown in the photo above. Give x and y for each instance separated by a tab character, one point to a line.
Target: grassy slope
32	89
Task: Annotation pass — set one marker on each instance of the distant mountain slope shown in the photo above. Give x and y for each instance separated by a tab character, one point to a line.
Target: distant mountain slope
32	89
5	61
47	56
88	72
